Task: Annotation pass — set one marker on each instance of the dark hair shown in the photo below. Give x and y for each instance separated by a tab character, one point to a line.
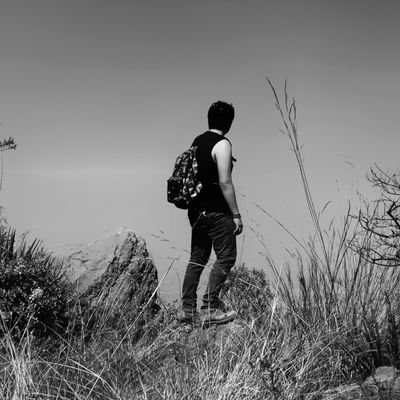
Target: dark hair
220	116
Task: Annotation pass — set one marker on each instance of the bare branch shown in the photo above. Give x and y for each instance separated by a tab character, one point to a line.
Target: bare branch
381	222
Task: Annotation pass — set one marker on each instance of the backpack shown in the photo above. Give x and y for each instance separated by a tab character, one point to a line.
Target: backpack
184	184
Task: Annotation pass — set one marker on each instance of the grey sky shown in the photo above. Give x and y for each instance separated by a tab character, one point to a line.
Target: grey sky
101	96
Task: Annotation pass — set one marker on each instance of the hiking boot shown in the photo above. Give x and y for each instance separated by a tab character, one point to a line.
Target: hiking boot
188	317
216	317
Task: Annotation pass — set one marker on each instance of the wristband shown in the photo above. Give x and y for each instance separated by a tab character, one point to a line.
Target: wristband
236	215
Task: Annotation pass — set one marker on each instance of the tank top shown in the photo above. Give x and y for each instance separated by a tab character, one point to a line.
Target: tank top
210	198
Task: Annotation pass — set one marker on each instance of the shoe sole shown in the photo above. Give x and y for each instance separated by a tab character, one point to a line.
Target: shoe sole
209	322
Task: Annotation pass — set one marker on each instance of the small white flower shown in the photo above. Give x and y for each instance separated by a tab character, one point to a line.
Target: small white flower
36	293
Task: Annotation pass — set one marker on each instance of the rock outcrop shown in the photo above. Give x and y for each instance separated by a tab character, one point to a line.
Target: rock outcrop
114	274
384	384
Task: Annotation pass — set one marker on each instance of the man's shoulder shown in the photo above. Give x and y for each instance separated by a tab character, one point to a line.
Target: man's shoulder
209	137
200	138
222	147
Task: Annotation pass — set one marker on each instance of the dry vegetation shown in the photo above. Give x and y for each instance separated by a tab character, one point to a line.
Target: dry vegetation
333	323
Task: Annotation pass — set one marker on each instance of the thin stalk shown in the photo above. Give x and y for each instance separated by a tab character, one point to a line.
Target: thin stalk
288	115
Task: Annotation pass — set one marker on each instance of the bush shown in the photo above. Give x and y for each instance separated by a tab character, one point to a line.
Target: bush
247	292
33	294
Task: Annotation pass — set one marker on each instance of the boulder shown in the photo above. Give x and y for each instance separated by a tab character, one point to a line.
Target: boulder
384	383
114	273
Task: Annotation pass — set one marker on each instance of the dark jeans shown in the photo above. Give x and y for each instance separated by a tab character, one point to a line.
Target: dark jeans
209	230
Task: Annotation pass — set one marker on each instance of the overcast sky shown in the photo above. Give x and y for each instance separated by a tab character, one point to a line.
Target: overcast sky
101	97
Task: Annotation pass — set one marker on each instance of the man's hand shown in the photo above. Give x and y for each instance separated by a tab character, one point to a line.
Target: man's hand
239	226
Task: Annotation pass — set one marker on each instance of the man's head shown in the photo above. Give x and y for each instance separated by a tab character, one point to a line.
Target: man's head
220	116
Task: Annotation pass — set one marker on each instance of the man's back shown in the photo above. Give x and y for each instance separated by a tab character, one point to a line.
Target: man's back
210	197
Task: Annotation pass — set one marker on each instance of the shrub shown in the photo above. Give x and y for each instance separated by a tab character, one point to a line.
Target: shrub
247	292
33	294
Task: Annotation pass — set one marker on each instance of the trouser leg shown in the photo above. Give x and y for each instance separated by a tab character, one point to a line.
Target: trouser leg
224	244
200	252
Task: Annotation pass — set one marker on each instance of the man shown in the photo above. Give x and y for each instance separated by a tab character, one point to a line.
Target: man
215	220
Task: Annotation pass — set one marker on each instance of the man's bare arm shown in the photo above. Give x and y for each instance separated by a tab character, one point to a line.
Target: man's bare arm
222	153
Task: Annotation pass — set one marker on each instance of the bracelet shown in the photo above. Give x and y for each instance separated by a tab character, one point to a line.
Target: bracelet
236	215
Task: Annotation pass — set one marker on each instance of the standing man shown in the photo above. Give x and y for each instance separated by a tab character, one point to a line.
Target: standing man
215	220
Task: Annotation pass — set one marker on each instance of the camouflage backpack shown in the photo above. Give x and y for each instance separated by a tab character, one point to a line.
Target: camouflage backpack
184	185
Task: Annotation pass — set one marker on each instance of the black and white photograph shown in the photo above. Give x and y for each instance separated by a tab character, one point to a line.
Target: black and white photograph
199	200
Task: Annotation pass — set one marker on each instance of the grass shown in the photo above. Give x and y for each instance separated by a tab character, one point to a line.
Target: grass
296	338
297	344
333	323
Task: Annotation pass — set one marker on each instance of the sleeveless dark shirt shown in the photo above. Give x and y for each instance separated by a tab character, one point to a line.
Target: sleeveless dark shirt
210	198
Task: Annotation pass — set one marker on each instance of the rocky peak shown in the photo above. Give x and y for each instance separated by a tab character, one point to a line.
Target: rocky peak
114	272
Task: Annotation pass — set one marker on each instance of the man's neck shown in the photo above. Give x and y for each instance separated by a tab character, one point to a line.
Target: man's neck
217	131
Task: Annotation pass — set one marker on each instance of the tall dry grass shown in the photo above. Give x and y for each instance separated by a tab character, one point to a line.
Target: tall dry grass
332	322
